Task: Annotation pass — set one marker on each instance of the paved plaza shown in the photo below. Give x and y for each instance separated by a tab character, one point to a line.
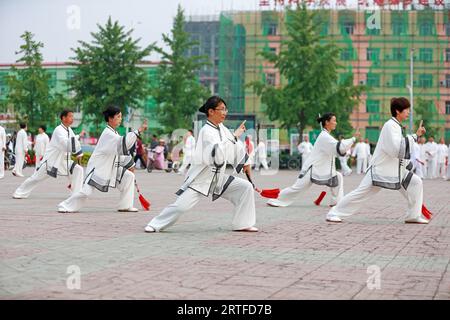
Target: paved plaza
296	254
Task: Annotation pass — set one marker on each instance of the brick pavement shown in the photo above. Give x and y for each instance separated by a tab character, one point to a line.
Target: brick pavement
296	254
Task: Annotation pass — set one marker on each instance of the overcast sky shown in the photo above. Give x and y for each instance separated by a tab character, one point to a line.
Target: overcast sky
59	24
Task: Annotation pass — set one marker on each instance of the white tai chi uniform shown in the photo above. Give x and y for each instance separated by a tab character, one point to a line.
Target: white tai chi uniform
441	155
107	167
188	151
251	152
57	161
20	151
387	170
2	152
362	155
423	158
41	143
216	147
448	163
416	160
320	169
261	156
431	149
346	170
305	149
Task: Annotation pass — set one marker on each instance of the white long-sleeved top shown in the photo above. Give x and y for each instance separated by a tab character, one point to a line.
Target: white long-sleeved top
41	143
2	138
261	150
57	157
387	167
441	154
361	150
216	147
431	148
110	159
21	142
305	148
321	162
189	146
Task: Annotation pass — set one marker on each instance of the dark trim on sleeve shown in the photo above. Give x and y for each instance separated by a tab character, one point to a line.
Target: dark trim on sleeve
242	163
407	151
407	180
72	167
225	186
124	145
339	151
73	144
52	172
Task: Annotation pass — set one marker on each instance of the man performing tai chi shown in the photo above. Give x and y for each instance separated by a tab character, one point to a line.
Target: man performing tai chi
216	147
319	167
57	159
108	166
388	169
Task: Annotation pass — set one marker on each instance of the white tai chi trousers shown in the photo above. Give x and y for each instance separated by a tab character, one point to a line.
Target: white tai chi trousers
77	200
346	170
441	170
38	160
431	169
261	162
24	190
2	163
20	159
361	165
287	195
239	192
353	201
186	161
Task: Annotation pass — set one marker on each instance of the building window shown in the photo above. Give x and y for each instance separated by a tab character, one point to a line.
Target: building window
373	80
373	106
372	54
447	55
447	80
398	28
426	28
347	54
426	54
447	29
348	27
195	51
270	79
372	133
447	107
272	29
425	80
399	80
373	32
399	54
273	50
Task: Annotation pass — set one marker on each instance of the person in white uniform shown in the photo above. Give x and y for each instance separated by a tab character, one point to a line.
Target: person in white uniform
431	152
40	144
422	157
441	155
20	150
305	148
109	166
250	149
448	163
57	159
388	170
319	168
216	147
361	152
188	151
261	156
2	151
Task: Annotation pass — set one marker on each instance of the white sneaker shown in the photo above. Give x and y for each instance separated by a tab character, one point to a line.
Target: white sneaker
149	229
129	210
16	196
419	220
333	219
277	203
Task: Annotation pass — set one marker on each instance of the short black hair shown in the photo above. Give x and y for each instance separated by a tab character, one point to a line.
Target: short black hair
110	112
23	125
191	131
326	117
64	113
43	127
399	104
211	103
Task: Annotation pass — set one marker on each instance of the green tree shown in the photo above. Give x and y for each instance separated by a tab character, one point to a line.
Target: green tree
108	72
29	90
426	111
179	93
309	67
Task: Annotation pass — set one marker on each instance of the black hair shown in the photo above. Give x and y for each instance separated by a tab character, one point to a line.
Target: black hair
326	117
191	131
211	103
43	127
23	125
64	113
399	104
110	112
